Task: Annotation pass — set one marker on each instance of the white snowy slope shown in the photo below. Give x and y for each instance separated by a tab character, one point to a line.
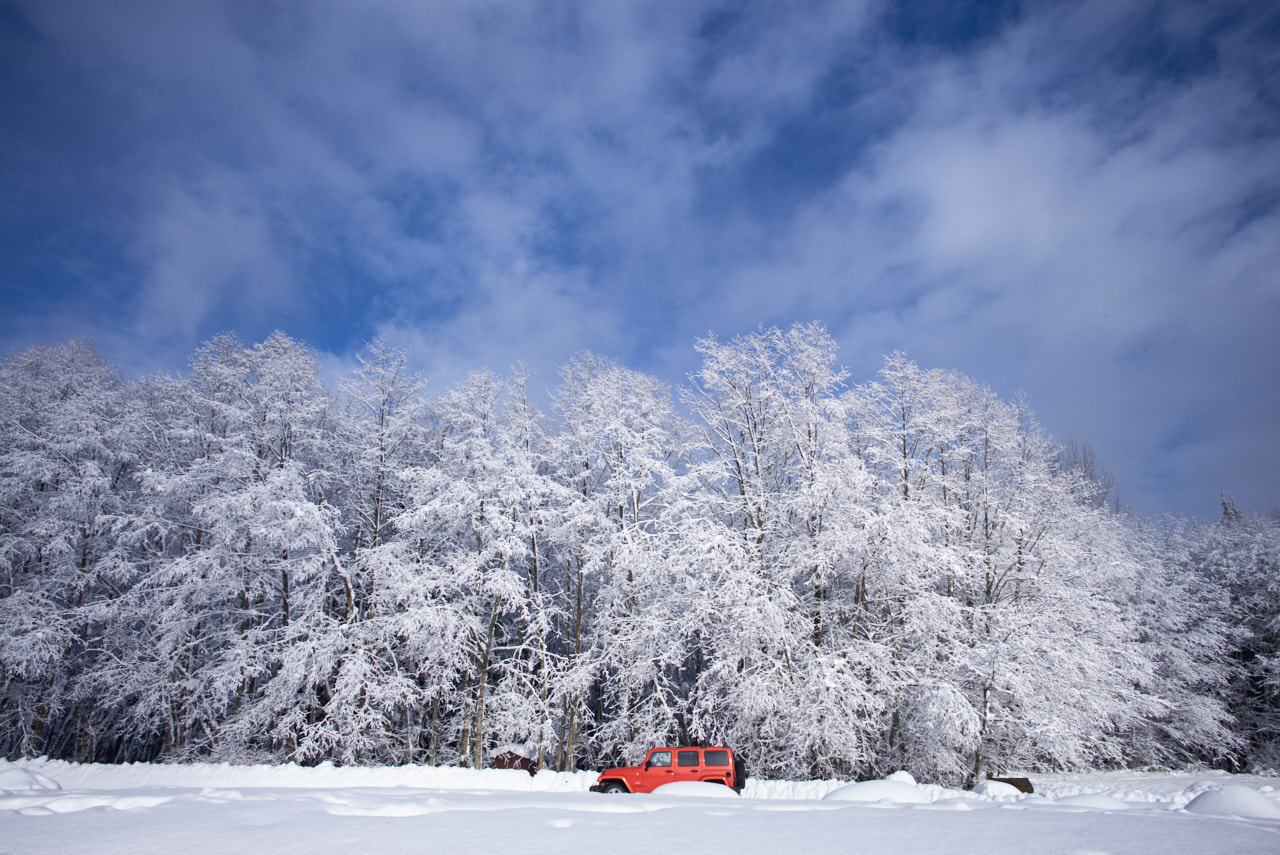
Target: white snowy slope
61	809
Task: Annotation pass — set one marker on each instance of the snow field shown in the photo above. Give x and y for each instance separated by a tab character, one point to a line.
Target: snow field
64	808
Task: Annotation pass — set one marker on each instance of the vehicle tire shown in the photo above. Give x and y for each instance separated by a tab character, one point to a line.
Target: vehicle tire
613	787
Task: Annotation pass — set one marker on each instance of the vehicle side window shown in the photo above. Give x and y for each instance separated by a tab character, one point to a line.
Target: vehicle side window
687	758
660	758
717	758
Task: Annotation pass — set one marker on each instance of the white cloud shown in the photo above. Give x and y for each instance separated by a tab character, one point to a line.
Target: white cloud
1043	209
206	248
517	315
1046	243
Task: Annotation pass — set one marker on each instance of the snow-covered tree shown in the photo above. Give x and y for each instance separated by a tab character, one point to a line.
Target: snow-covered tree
1001	563
791	671
384	432
907	573
68	451
248	543
467	522
1188	628
620	452
1241	554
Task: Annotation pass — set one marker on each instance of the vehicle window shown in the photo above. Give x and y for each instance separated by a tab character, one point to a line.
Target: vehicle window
687	758
660	758
717	758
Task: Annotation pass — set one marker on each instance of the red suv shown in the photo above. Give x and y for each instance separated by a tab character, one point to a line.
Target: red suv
664	765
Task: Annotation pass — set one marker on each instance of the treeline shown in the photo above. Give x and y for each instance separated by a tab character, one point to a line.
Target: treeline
838	579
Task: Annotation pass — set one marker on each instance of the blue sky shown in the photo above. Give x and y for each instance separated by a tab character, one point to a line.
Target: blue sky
1076	200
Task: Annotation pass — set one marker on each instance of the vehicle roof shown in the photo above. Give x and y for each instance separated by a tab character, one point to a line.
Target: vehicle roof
687	747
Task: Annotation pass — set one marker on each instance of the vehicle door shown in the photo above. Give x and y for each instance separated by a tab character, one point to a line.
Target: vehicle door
657	771
689	764
716	765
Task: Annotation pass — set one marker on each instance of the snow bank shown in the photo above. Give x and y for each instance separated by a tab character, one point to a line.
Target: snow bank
704	789
895	792
1234	800
20	778
995	789
1167	789
93	776
1093	801
757	788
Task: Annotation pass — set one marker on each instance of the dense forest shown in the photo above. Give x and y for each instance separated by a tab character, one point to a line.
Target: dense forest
837	578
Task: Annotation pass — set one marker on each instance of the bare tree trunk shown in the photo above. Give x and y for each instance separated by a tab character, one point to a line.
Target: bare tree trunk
433	739
978	759
482	683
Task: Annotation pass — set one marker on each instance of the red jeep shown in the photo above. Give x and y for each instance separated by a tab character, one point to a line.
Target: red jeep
664	765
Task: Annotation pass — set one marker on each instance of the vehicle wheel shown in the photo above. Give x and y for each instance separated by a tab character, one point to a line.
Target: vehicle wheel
613	787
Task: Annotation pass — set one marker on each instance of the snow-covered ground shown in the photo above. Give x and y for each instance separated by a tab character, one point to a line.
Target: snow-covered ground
55	807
